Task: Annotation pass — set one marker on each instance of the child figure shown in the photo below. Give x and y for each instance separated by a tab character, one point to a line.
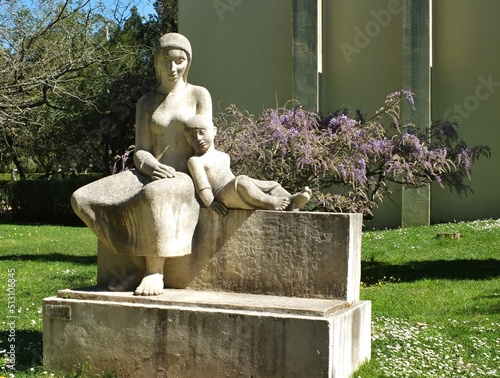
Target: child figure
218	187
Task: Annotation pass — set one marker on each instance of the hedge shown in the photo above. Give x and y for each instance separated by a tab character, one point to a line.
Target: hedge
42	201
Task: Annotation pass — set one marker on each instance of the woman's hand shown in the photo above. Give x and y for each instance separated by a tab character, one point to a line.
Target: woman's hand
163	171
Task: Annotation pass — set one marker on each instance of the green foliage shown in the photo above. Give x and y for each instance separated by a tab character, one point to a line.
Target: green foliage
70	75
42	201
167	12
45	49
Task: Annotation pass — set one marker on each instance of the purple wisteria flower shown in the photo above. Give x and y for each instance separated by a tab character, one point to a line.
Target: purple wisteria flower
342	171
464	160
347	162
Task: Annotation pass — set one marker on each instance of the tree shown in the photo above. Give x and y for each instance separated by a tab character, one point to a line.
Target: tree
70	76
167	15
347	161
44	51
126	83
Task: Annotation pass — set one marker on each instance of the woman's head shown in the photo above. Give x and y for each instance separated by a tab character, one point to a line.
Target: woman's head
176	43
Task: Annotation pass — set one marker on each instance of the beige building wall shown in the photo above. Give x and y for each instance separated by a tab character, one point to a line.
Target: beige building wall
362	64
243	55
242	50
466	87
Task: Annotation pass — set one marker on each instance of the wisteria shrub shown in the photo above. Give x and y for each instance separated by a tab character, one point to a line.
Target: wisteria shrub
347	161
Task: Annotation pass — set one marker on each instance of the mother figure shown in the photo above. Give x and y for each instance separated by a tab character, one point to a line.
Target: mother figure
152	211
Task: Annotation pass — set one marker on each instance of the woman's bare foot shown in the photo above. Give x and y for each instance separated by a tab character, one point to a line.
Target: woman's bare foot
300	199
151	284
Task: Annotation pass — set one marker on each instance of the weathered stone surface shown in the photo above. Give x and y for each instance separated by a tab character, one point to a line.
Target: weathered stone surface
135	216
297	254
152	211
147	337
223	300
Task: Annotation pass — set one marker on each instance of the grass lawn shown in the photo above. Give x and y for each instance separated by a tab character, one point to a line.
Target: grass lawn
43	260
436	300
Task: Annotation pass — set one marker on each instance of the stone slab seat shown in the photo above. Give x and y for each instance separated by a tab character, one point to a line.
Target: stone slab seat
295	254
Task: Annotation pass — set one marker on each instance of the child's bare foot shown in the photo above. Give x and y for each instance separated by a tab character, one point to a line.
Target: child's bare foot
275	203
300	199
282	203
151	284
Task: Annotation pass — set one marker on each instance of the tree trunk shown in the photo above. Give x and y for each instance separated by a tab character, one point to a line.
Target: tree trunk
19	167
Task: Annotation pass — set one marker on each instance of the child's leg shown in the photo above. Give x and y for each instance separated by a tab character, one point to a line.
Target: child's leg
253	195
279	191
297	200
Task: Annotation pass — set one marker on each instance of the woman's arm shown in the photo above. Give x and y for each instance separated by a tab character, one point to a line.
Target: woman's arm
203	102
144	159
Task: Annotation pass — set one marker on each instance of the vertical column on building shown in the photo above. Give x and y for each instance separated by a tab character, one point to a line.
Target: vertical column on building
417	55
306	50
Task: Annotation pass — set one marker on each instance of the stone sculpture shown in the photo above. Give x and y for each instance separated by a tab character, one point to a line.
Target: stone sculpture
152	211
268	293
217	186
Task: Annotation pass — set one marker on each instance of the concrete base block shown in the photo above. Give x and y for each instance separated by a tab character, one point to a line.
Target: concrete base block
185	333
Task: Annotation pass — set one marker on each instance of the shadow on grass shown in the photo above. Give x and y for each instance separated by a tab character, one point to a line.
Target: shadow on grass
486	304
373	272
28	346
52	257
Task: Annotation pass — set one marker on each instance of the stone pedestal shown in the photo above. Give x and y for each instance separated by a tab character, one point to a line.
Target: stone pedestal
185	333
264	294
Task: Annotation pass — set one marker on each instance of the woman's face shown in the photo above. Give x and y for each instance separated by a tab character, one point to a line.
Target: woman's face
173	64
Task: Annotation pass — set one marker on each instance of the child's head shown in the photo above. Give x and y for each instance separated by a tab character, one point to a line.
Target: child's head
200	133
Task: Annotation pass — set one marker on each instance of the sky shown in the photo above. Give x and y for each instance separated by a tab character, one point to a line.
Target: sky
145	7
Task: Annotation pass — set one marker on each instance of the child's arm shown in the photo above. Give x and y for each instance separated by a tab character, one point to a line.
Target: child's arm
202	185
